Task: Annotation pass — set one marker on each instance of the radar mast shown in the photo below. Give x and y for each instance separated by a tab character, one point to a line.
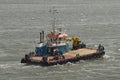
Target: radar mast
54	12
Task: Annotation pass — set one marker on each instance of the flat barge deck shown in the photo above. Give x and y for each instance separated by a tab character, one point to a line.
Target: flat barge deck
71	56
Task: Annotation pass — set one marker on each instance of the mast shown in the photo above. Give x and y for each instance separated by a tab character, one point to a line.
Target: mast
53	12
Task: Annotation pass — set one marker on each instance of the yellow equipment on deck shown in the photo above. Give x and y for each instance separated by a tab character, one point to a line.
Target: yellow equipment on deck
69	39
75	40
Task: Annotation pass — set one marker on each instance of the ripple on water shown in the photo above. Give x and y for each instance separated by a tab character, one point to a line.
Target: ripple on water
3	55
106	56
10	65
4	66
118	49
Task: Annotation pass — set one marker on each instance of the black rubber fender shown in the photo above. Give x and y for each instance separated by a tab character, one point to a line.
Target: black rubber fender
23	60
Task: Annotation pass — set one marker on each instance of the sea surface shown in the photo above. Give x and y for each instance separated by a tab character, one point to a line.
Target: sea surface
95	21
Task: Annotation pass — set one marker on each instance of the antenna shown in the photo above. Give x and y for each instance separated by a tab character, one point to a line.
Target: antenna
53	12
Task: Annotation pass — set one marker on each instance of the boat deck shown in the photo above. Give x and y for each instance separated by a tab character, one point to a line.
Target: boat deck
81	52
68	55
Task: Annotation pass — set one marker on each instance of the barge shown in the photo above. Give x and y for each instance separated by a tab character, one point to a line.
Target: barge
56	49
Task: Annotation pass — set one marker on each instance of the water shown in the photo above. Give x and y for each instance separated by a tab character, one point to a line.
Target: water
96	21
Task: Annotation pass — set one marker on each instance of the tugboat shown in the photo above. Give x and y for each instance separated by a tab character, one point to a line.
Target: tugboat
56	49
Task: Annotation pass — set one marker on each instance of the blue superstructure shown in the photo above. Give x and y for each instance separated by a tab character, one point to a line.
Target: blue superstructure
48	50
41	51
